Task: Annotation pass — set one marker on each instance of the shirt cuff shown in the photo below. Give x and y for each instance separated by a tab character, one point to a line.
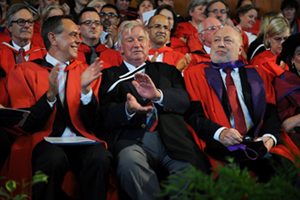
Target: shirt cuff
160	101
86	98
127	114
271	136
218	132
51	104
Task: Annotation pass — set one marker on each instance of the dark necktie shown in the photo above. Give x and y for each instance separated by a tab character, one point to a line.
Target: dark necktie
152	119
21	58
235	105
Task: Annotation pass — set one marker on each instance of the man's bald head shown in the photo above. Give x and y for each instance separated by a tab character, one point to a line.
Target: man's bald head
227	45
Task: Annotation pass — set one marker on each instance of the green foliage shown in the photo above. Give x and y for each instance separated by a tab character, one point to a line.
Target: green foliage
11	186
232	184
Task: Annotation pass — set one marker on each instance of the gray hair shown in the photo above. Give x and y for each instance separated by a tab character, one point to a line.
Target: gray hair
194	4
12	11
92	3
46	11
128	26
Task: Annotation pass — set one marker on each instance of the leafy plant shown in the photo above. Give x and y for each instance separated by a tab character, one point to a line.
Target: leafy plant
11	186
232	184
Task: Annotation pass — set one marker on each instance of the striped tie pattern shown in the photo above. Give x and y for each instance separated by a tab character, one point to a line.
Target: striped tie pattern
152	119
61	83
61	91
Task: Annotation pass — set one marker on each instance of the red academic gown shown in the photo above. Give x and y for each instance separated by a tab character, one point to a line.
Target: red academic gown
170	57
27	83
184	29
267	61
35	40
110	57
200	90
178	45
8	61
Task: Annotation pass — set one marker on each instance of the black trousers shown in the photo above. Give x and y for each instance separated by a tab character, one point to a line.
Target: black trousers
91	163
6	141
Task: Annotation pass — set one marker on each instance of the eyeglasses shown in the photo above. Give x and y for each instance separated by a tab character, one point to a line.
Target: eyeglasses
216	11
90	23
159	26
110	15
212	28
22	22
279	39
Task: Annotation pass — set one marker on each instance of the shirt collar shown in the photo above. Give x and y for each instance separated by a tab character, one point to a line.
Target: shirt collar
17	47
207	49
131	67
54	61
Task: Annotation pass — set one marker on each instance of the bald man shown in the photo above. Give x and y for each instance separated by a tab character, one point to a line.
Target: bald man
235	102
200	43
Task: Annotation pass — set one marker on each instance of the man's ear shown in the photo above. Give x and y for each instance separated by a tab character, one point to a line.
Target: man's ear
52	38
241	48
201	36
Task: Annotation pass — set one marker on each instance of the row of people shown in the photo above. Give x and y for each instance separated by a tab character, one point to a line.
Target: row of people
133	54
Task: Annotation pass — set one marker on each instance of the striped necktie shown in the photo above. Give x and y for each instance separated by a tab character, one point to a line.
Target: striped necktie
61	82
61	90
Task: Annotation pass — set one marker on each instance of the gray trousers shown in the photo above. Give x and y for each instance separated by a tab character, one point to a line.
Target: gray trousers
136	165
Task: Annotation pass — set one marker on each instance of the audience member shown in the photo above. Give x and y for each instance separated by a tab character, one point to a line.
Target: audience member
220	10
287	88
4	5
91	28
110	18
126	12
144	6
197	15
179	18
141	149
246	17
206	32
173	42
55	111
76	6
289	9
97	4
257	46
277	31
241	3
19	49
50	11
159	33
222	94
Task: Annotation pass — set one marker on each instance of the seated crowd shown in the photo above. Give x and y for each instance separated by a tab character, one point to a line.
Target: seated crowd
158	96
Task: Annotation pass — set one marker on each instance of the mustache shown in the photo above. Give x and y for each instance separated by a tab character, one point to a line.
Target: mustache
106	23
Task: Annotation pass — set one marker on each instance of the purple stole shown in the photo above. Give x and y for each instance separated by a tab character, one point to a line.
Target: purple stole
258	94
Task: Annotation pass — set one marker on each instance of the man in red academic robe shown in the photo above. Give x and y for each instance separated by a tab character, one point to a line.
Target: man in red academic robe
90	48
224	116
159	33
20	28
200	44
55	89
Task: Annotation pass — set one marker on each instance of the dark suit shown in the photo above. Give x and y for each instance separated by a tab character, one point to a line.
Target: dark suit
173	131
211	109
172	136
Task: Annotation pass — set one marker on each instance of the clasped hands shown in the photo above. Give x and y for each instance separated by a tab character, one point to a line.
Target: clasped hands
146	89
88	76
232	136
